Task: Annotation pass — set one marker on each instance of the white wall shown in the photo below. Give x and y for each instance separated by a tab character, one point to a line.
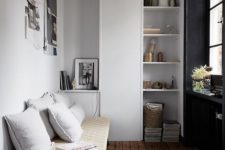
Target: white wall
25	72
81	31
81	40
120	68
89	101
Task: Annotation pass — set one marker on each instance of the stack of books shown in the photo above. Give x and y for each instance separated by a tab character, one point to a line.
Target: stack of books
153	134
65	83
171	131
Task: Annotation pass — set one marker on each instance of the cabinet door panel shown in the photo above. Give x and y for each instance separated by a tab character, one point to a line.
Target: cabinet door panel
203	127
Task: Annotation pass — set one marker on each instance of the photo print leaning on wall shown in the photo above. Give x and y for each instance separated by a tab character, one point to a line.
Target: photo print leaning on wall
34	23
51	28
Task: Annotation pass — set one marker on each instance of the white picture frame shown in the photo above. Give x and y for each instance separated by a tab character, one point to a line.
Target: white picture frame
86	73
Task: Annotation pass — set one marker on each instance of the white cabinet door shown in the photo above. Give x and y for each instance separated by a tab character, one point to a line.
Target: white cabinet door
120	75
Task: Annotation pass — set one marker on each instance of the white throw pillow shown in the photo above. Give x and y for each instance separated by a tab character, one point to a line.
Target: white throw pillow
64	122
27	131
62	98
78	112
42	105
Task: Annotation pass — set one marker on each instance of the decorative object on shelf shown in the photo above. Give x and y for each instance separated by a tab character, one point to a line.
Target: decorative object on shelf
177	2
172	3
153	115
173	83
151	2
216	86
163	3
74	84
147	2
86	73
164	85
147	84
150	30
160	57
149	55
201	78
157	85
155	3
170	29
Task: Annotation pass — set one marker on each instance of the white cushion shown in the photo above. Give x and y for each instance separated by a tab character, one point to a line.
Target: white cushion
62	98
64	122
78	112
27	131
42	105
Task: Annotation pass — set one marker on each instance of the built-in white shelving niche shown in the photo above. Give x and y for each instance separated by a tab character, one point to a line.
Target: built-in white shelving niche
171	45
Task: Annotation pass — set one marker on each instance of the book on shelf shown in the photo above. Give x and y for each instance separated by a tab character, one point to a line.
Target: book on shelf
65	83
61	80
69	85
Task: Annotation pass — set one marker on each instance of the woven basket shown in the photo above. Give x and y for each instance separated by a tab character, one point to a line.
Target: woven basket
153	117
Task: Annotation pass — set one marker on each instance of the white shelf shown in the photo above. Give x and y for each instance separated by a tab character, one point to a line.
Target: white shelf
160	90
161	63
161	35
154	8
81	91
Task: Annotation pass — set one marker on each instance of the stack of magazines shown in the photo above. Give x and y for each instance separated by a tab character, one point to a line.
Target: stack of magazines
153	134
171	131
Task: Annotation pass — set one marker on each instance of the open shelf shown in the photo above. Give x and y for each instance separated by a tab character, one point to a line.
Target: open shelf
161	35
160	90
154	8
161	63
81	91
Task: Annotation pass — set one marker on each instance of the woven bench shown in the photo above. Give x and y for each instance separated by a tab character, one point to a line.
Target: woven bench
95	131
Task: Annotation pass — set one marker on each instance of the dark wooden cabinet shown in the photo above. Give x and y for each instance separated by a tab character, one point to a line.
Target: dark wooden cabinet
203	128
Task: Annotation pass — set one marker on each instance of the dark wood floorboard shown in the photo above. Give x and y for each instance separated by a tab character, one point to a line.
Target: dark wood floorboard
146	146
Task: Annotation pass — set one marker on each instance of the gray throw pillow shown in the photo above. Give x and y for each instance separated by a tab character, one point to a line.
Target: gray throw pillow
27	131
42	105
64	122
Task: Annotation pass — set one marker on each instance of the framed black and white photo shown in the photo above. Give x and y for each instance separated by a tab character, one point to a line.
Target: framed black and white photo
86	74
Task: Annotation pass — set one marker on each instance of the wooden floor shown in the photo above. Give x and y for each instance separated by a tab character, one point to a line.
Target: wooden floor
145	146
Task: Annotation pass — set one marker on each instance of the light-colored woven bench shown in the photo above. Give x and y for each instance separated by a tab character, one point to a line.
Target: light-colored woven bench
95	131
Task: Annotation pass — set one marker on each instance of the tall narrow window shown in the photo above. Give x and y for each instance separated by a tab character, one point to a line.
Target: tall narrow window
215	36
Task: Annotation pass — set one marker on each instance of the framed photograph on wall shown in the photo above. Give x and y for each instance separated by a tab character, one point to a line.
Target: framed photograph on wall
86	73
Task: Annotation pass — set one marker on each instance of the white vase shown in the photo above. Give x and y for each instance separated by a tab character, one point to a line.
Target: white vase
163	3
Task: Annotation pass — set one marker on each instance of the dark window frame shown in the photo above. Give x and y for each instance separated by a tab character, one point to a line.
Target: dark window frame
208	27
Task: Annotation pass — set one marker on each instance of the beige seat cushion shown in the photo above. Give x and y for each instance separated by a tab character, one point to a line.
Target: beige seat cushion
95	131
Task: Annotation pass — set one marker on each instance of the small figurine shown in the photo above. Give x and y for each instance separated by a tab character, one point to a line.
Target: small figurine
149	55
172	3
173	83
74	84
160	57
